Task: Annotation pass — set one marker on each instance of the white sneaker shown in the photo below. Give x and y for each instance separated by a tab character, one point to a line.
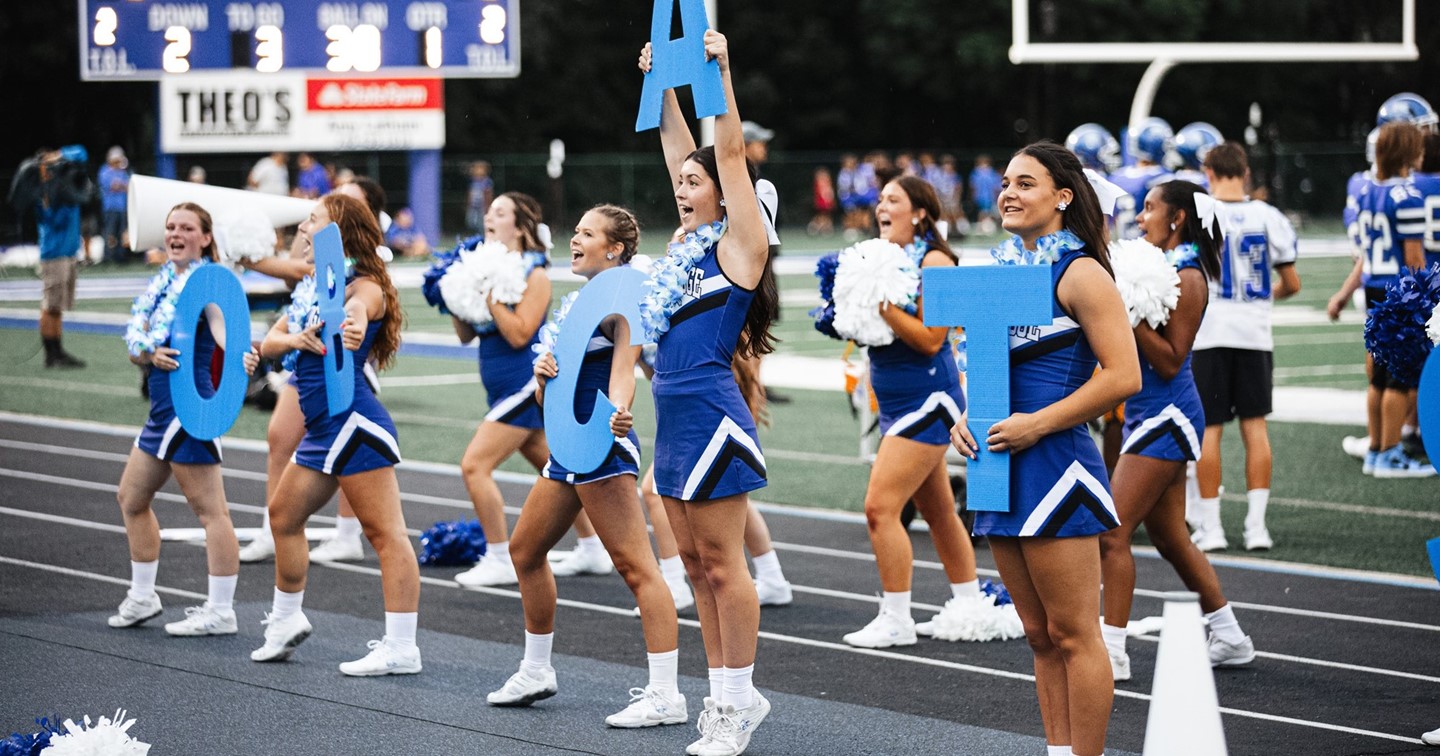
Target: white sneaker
886	630
1223	654
338	549
385	658
773	592
1355	446
1258	539
1120	666
650	707
281	637
583	562
489	571
973	619
204	620
732	728
132	612
1206	539
680	591
522	689
1431	738
258	550
705	724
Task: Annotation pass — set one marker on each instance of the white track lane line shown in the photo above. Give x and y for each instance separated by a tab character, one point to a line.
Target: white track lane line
777	637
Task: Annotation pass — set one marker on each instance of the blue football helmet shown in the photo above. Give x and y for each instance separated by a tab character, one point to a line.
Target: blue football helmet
1407	106
1152	140
1193	142
1096	147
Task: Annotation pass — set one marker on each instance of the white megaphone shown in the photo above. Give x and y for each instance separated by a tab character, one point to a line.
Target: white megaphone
242	218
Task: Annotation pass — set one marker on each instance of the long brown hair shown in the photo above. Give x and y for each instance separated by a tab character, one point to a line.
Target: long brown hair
1083	217
756	338
206	225
360	233
527	221
1180	195
1399	147
922	197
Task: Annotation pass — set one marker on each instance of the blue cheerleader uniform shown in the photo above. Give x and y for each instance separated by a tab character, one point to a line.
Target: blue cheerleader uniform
508	374
624	457
1166	419
706	446
1058	487
163	437
360	439
919	396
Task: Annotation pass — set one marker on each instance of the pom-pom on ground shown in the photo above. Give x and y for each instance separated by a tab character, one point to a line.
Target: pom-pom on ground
1148	284
108	737
452	544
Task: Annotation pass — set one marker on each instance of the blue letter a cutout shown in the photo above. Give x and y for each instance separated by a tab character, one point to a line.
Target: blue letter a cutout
677	62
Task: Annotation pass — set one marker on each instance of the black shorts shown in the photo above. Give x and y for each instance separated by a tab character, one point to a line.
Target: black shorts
1233	383
1380	377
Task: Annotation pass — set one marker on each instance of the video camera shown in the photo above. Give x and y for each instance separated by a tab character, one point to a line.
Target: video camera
55	177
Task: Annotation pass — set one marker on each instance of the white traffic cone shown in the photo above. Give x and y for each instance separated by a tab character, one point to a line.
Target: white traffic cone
1184	710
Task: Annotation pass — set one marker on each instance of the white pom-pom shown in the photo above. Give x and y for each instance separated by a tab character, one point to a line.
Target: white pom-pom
507	280
1148	284
1433	327
243	233
642	263
489	272
976	619
107	738
867	274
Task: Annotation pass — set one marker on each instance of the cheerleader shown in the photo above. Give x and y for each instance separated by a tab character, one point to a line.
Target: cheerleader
917	386
164	448
714	283
604	238
1047	543
355	450
1163	427
513	422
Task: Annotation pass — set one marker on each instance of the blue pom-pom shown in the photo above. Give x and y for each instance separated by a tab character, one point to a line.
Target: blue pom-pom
1395	329
440	262
20	744
452	544
825	321
1001	594
824	315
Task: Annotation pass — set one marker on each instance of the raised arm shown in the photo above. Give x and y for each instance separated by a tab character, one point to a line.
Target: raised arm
675	137
1166	352
745	248
911	329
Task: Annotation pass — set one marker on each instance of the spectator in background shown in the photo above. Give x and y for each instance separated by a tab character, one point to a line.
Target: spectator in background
757	143
270	175
948	190
404	237
823	221
984	189
905	165
54	184
114	188
196	175
481	194
312	182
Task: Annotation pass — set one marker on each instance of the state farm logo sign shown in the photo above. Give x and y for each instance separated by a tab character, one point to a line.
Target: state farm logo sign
374	94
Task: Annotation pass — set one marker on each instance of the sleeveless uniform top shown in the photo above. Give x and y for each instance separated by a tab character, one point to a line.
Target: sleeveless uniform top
359	439
706	446
1058	487
1165	420
508	373
624	457
163	437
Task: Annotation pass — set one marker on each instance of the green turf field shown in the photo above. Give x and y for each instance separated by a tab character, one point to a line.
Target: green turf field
1323	510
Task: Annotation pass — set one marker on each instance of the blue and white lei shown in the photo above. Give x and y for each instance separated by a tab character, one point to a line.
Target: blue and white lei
550	332
304	311
1184	256
669	276
154	311
1047	250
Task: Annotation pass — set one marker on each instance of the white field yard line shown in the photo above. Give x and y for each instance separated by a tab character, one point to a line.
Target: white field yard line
776	637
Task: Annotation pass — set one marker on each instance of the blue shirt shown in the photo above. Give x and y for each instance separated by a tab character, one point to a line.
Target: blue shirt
984	186
59	229
114	187
313	182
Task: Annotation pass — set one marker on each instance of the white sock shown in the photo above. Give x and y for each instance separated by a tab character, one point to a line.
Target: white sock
499	551
222	591
1407	430
1114	639
1058	750
589	543
717	682
738	691
1259	499
348	528
1209	511
1192	496
537	651
142	579
672	569
286	604
1224	625
767	567
400	628
970	589
898	602
664	671
265	528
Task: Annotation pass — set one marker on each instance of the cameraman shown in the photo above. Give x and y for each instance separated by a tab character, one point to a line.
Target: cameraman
54	183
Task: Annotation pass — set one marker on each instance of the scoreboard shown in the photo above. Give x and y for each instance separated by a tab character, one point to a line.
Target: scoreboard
153	39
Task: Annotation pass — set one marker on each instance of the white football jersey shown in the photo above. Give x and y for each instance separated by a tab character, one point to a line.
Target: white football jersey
1258	238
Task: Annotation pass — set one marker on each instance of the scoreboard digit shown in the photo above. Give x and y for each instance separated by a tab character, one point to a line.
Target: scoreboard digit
152	39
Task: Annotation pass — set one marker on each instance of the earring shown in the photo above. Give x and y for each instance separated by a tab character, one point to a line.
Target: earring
1172	226
914	221
1062	206
722	202
609	255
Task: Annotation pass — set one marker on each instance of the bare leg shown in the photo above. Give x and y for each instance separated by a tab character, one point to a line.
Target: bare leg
301	493
901	466
622	529
665	547
717	531
375	494
1139	482
936	503
205	492
1255	435
493	443
1207	469
544	518
143	476
1165	524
